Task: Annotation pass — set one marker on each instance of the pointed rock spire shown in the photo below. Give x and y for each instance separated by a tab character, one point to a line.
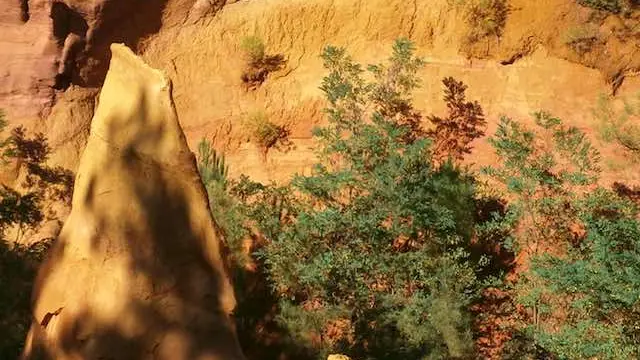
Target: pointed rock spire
136	272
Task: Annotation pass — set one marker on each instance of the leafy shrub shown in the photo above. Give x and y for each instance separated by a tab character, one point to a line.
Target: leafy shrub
254	313
485	19
464	123
258	63
619	125
541	179
225	210
368	258
580	290
254	48
212	167
268	134
581	39
391	89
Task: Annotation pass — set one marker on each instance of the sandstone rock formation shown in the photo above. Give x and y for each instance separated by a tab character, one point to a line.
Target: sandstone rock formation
528	72
196	42
27	59
46	46
338	357
136	272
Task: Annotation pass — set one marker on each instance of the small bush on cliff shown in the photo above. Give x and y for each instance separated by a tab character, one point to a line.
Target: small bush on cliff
485	19
368	258
267	134
619	126
258	63
581	39
253	48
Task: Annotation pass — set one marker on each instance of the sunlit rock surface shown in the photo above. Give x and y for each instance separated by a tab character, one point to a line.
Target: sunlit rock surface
137	271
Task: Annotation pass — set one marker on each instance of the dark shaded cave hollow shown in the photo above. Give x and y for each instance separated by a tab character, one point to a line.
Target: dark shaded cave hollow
24	11
67	24
66	21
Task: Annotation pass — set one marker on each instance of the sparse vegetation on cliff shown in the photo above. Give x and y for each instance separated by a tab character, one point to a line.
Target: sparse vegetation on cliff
581	39
614	6
267	134
258	64
618	125
486	20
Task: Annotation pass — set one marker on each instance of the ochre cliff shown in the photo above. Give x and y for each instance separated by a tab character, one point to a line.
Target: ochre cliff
528	68
136	272
27	60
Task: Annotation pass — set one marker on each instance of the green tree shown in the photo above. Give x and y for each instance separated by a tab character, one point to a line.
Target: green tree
367	255
583	242
18	263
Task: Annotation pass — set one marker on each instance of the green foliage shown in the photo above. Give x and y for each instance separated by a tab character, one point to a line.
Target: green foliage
253	47
16	208
18	263
614	6
225	209
620	126
268	134
581	39
367	255
598	279
582	241
486	19
212	167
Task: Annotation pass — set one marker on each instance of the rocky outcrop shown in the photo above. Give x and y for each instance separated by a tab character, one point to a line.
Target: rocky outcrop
196	42
48	45
27	59
136	272
205	62
338	357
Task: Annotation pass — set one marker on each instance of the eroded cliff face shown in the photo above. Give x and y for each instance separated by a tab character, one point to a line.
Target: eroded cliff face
136	272
527	70
196	42
27	57
48	46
